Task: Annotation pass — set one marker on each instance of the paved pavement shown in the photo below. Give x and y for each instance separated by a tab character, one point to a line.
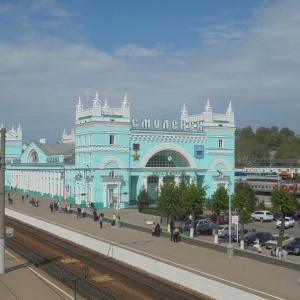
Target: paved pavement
266	280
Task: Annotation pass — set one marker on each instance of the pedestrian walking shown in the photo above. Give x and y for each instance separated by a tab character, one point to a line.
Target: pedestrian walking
95	215
23	197
78	212
153	229
100	220
113	221
172	227
51	205
176	233
68	209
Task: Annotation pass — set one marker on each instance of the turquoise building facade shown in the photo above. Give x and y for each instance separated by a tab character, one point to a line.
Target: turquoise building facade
110	156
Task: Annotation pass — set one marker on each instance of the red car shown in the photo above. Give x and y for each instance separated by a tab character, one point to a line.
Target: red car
223	219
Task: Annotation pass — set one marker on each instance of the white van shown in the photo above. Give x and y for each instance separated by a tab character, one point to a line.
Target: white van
262	215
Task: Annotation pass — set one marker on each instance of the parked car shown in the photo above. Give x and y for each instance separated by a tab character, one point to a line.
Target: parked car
263	237
293	247
286	239
201	222
223	231
201	217
295	214
247	231
276	215
205	228
288	222
198	218
262	215
223	219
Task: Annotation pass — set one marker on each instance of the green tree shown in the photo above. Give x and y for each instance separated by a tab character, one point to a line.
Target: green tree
252	199
219	203
143	199
241	201
194	198
283	201
169	200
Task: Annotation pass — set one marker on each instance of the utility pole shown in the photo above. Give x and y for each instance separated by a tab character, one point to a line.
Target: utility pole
2	202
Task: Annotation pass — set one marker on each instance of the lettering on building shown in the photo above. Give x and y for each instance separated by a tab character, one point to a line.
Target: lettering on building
147	123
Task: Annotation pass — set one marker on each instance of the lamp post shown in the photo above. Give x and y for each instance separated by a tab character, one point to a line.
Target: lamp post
85	270
230	252
118	223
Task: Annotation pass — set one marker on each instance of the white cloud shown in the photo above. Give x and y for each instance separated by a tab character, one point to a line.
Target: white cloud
257	69
135	51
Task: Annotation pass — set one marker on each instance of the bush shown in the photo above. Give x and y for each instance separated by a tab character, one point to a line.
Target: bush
153	212
143	200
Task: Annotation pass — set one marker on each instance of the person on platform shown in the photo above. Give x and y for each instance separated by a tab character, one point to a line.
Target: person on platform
23	197
51	205
83	212
114	218
153	229
256	246
157	230
172	227
95	214
101	220
176	233
78	212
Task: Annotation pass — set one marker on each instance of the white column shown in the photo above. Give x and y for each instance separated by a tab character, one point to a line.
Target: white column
145	184
105	195
192	179
160	181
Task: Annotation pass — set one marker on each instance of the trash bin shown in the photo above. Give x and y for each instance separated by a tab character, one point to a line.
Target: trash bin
185	233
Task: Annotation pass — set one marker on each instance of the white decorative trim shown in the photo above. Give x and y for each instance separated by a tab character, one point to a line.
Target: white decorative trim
168	138
103	149
169	147
220	161
110	159
220	151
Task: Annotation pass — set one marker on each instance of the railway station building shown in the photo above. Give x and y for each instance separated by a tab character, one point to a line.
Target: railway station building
109	156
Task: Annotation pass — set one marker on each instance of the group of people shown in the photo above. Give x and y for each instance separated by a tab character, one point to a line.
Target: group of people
55	205
81	212
279	252
155	229
174	230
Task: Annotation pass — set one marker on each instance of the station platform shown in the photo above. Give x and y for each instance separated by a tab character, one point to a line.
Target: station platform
24	281
264	280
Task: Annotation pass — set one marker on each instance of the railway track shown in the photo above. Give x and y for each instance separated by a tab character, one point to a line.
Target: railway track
108	278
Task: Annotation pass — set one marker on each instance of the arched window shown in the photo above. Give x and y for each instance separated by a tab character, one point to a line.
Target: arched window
160	161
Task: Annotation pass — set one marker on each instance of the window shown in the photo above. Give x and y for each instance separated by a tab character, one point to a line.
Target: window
221	143
160	161
152	179
111	139
168	178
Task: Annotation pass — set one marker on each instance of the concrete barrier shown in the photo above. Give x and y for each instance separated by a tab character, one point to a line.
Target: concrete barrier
152	265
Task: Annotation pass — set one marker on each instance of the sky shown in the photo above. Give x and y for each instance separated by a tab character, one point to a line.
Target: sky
161	53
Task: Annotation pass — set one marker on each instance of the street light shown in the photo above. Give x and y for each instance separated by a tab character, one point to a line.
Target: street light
230	252
118	223
85	270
